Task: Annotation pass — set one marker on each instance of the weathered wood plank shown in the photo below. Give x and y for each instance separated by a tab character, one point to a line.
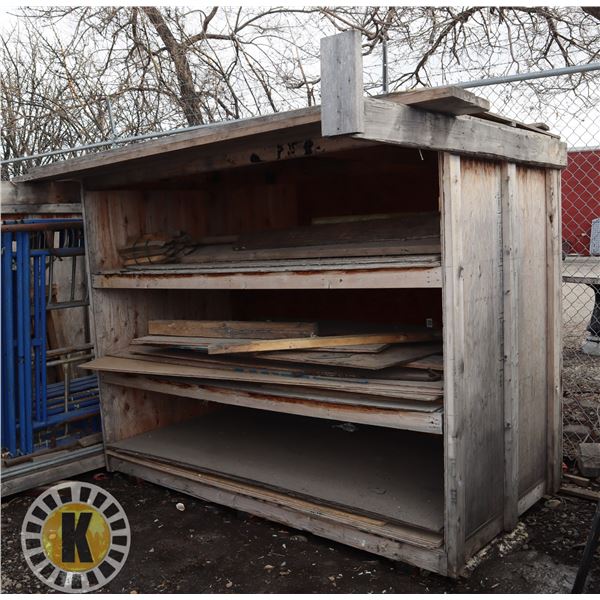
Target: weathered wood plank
342	84
530	265
395	355
375	278
449	100
330	341
202	136
554	329
511	257
232	329
425	391
39	195
315	518
395	418
272	450
393	123
453	357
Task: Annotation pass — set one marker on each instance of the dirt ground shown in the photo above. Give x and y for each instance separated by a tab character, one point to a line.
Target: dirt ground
208	548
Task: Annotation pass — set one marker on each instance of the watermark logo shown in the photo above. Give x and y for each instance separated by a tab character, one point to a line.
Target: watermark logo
75	537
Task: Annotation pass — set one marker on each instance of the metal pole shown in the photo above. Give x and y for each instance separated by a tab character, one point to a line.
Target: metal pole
110	119
8	347
384	65
595	66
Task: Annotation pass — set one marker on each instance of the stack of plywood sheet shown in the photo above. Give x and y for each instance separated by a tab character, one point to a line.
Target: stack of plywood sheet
382	375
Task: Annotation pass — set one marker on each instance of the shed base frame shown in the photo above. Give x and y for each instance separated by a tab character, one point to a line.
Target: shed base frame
432	559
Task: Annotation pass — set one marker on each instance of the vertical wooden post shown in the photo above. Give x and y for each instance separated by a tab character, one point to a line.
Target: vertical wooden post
511	255
554	329
342	103
454	355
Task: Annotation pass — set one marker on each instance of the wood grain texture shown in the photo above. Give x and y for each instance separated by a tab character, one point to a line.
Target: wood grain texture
202	136
325	522
382	416
395	355
239	443
330	341
342	84
453	358
397	278
532	326
511	259
473	369
393	123
412	390
448	100
232	329
554	329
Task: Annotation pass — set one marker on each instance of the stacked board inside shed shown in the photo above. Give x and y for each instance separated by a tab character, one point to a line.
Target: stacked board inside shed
350	375
362	373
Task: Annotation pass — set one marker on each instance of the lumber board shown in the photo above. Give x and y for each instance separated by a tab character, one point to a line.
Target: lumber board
203	136
353	277
342	84
242	363
308	458
340	526
426	391
331	341
294	403
410	227
195	358
433	363
449	100
394	355
393	123
232	329
413	247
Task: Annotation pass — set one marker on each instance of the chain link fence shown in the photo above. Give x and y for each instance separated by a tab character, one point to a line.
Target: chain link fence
570	106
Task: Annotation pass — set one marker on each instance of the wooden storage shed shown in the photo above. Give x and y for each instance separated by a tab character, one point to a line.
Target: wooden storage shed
427	482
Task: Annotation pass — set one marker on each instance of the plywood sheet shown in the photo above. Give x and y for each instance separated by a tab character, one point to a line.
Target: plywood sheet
375	471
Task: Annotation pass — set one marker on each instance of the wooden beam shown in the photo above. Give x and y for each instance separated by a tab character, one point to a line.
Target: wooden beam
202	136
393	123
330	341
411	277
554	328
448	100
233	329
410	390
342	84
282	511
453	297
39	198
410	420
259	150
511	253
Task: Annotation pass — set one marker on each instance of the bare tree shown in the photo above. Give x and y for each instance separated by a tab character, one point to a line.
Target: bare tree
161	68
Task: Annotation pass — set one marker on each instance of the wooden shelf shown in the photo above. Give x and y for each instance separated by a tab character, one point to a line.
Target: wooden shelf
366	272
310	459
409	415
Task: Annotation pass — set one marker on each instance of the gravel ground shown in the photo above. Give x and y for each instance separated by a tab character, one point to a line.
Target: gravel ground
207	548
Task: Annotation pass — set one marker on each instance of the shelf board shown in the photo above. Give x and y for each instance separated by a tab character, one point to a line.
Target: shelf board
376	472
412	271
425	417
275	505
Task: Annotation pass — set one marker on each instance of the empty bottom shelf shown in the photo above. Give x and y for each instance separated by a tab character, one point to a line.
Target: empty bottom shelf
381	473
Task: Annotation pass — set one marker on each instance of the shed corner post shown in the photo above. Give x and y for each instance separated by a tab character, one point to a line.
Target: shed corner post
454	348
554	329
511	255
342	102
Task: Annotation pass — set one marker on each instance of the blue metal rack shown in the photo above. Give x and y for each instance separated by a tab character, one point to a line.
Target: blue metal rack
32	410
